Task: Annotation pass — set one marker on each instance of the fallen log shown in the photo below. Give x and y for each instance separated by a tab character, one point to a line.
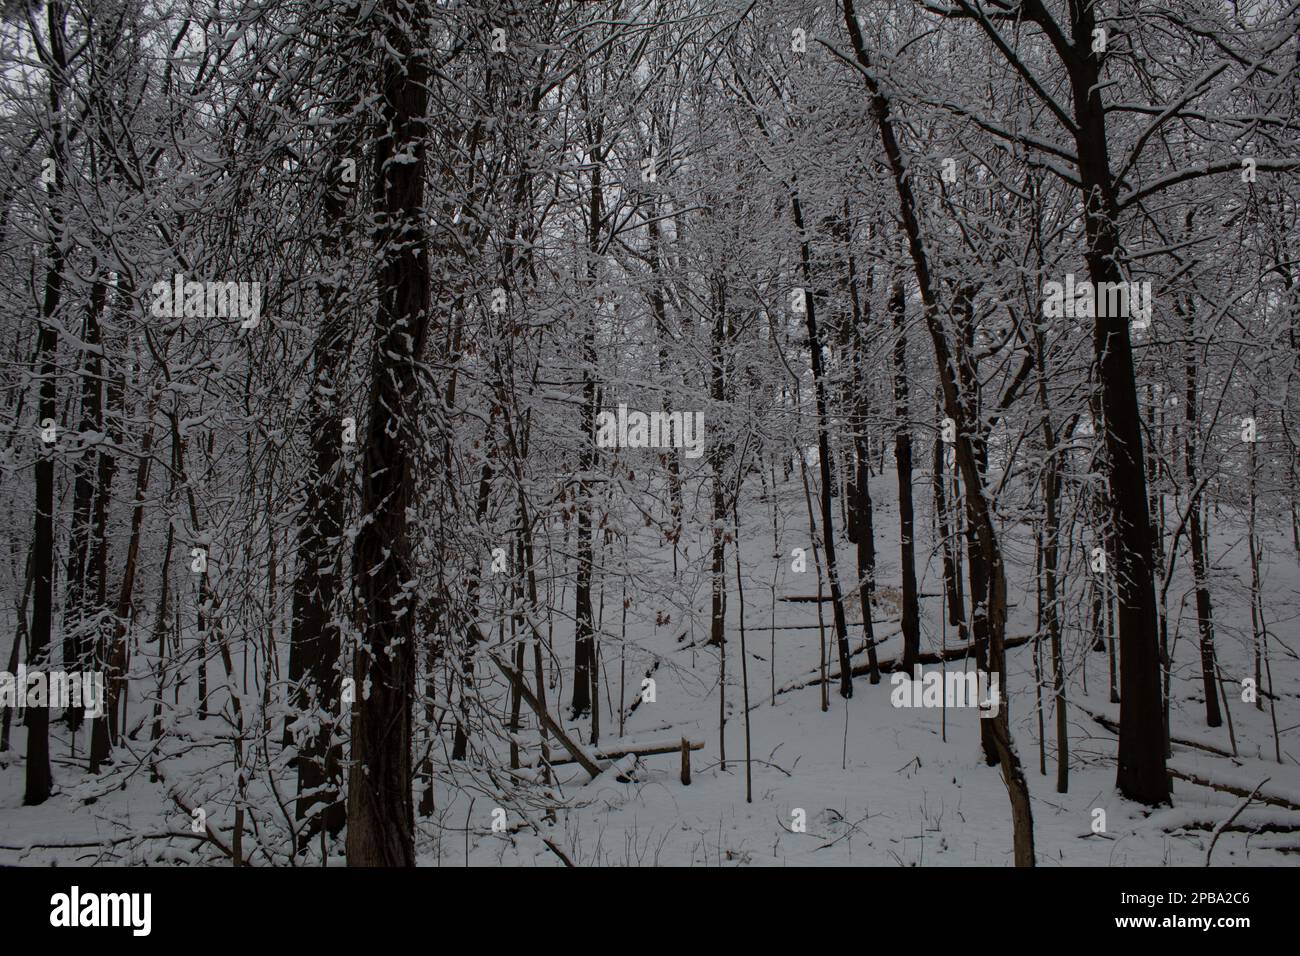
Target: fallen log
1210	826
1276	799
647	749
1218	831
1114	729
891	664
813	627
623	770
1193	817
851	593
1273	799
579	754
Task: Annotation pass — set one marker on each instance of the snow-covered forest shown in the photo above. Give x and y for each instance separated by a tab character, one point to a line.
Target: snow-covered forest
650	432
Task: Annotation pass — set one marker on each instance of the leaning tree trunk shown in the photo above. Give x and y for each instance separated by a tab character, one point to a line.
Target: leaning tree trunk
981	510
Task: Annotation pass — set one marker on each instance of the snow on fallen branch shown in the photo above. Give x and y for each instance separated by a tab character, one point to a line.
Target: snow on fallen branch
1236	784
890	664
1257	820
1113	727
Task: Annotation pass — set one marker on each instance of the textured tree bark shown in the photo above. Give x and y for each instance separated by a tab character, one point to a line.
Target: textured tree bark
315	640
40	780
315	644
1141	774
381	817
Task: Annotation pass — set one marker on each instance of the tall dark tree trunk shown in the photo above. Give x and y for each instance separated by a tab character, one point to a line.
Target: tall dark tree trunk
823	453
721	453
77	602
472	636
21	640
315	639
582	609
718	392
1051	558
979	561
951	550
381	813
583	651
110	651
40	780
1191	441
911	616
978	569
204	615
160	621
658	306
1141	774
859	491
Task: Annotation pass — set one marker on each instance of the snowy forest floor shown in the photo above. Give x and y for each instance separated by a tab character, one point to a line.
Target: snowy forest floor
879	785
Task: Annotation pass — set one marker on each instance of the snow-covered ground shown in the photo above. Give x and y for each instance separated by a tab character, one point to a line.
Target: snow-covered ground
874	784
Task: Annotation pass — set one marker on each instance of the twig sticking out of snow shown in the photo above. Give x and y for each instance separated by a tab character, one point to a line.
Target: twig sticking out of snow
1235	813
